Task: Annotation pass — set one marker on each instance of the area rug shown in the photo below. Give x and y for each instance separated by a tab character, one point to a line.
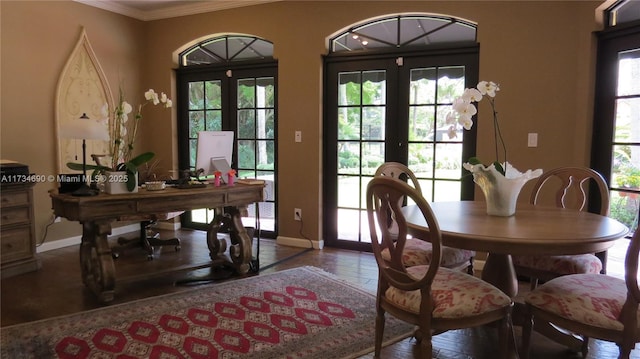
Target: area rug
303	312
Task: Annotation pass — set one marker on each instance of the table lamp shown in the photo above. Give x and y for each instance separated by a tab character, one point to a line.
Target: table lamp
84	129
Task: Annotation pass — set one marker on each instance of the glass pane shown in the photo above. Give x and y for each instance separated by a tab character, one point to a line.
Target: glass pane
349	123
421	123
624	207
265	152
364	228
373	88
442	133
348	157
626	167
246	93
447	191
242	173
627	120
199	215
423	86
417	27
193	146
421	159
450	83
427	189
213	90
196	95
348	224
266	124
265	93
246	154
214	120
448	163
629	73
246	124
196	123
385	30
349	88
364	182
372	156
197	57
348	191
373	123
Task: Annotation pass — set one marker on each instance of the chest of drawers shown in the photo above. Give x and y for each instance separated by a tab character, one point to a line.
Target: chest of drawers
17	230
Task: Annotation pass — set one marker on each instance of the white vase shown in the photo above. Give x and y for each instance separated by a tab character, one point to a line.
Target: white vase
500	191
116	182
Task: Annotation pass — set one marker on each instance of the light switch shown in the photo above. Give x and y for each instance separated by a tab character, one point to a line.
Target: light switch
298	136
532	140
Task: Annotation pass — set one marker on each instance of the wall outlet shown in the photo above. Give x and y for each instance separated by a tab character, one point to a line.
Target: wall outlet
297	214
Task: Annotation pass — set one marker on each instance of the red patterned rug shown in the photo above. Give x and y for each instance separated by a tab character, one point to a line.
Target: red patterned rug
298	313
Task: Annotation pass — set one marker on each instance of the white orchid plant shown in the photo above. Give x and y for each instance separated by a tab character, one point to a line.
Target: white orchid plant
123	131
463	111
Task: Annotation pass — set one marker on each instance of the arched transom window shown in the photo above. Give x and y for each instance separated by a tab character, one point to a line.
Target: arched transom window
403	31
228	48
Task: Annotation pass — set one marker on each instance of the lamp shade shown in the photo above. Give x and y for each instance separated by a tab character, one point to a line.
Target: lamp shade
84	129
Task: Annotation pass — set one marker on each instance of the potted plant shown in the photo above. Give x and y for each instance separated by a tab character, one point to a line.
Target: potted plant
123	168
500	181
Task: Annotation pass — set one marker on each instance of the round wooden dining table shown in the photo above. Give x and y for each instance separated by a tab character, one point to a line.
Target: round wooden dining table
532	230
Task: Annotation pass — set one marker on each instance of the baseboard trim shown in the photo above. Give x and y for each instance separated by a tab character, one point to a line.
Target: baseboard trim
72	241
299	242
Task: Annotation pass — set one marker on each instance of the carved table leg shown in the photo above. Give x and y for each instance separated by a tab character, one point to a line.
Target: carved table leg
240	247
216	246
96	262
498	270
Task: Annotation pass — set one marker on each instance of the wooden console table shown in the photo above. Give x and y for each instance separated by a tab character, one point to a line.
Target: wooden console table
96	214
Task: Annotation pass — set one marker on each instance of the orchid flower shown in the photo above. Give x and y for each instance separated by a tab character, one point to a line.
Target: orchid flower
464	109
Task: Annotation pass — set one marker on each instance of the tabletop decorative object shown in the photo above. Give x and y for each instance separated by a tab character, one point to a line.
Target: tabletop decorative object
230	177
500	191
500	181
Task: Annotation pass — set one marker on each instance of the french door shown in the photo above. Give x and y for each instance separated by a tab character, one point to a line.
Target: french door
392	108
616	133
242	100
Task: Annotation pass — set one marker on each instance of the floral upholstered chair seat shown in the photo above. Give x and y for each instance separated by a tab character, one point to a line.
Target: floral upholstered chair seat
419	252
561	265
590	306
594	300
455	294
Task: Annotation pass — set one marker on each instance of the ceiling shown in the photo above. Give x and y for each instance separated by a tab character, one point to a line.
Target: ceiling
161	9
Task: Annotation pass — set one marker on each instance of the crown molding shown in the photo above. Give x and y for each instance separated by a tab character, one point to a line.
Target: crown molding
169	11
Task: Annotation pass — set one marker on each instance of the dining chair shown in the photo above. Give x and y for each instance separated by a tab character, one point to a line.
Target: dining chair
570	188
590	305
418	251
434	298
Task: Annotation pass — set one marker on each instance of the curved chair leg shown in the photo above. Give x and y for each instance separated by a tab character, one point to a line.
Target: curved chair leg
527	328
379	332
585	346
426	346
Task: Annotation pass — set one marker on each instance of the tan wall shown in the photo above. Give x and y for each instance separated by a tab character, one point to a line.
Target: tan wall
542	54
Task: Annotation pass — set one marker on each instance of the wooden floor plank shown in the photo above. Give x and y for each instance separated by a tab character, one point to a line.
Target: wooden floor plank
56	289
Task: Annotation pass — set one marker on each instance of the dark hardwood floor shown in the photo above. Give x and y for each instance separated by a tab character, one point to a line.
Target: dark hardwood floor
56	289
